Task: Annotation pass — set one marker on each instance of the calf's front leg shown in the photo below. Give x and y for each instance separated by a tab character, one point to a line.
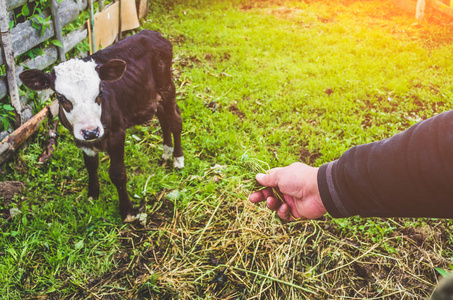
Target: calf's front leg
92	163
118	176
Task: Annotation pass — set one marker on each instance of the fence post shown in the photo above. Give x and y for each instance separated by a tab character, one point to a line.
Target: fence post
93	39
8	54
58	29
120	20
143	8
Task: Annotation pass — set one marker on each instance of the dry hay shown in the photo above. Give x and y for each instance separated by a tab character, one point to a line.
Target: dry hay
236	250
233	249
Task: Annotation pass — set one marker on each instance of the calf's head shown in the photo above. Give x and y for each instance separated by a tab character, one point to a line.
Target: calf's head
77	84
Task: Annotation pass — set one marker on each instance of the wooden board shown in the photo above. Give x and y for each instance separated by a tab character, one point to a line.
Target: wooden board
90	36
441	7
8	54
142	8
12	142
406	5
106	23
106	27
24	36
410	6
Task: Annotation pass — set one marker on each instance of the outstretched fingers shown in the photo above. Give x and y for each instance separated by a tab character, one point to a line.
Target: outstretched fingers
271	178
273	203
284	213
261	195
283	210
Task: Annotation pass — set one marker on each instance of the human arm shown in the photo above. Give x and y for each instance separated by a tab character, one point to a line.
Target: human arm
407	175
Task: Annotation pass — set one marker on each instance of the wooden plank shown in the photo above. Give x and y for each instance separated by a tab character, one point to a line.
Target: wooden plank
82	4
406	5
54	6
49	57
420	10
91	31
441	7
142	8
21	134
120	19
24	36
90	37
108	21
74	38
411	6
101	5
12	4
8	54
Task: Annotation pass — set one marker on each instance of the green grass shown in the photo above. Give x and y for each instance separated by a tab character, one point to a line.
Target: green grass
253	81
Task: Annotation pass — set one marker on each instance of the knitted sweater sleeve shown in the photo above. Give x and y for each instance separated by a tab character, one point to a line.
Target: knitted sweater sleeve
407	175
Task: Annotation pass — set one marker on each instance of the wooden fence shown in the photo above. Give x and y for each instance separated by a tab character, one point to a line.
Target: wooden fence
23	37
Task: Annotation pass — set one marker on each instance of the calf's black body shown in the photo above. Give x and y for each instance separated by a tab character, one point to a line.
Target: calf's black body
146	88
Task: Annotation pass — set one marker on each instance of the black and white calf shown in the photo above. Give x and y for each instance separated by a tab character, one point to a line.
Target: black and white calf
102	95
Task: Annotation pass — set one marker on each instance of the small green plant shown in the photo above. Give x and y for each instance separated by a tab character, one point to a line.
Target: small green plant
32	53
34	12
6	116
444	273
30	11
41	23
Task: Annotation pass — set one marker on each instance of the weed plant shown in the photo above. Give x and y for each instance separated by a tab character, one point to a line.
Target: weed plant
260	84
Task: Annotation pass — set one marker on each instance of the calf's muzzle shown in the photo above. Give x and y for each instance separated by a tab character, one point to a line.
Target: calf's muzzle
90	134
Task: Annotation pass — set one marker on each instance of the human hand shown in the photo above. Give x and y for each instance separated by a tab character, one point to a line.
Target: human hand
297	184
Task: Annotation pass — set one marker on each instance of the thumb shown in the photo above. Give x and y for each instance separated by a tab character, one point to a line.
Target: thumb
270	179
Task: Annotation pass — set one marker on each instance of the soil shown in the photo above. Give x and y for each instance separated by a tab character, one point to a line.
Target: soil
10	188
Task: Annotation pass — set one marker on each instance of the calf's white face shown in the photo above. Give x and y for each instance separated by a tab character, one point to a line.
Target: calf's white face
78	82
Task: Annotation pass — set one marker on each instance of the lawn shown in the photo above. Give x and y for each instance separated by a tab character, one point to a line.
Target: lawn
260	84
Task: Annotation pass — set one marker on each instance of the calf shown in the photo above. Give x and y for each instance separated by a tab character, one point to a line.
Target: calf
102	95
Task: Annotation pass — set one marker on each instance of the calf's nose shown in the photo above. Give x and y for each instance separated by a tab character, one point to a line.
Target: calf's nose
90	134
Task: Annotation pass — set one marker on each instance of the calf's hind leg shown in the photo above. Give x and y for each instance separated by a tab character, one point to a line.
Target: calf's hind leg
171	123
168	111
166	132
176	129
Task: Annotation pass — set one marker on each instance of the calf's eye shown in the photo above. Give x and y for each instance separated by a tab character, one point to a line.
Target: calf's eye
61	98
99	98
67	105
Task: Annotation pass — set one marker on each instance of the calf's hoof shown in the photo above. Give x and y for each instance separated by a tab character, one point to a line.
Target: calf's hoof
178	162
91	198
93	194
168	152
141	218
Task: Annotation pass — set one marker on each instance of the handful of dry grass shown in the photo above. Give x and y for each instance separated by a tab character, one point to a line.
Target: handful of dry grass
256	166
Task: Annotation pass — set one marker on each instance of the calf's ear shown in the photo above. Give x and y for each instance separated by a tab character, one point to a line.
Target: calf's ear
112	70
36	79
